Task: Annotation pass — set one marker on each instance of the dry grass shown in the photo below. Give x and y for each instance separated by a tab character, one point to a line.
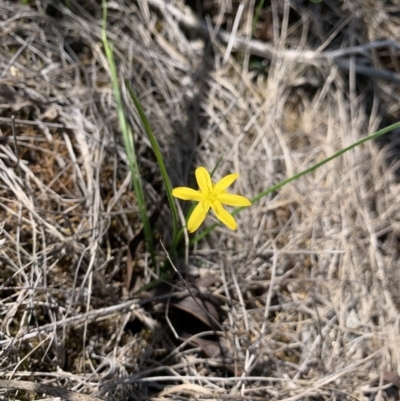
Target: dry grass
308	285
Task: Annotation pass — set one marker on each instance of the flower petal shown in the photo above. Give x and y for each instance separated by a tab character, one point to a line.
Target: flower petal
186	193
233	200
223	215
224	183
198	215
204	180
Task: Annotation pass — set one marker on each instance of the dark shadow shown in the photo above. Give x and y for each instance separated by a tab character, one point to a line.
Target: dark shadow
187	138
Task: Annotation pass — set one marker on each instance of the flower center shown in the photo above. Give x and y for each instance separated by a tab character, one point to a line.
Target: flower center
211	195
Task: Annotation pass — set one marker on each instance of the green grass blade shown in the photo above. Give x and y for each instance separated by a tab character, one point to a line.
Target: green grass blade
219	161
280	184
257	15
160	161
128	140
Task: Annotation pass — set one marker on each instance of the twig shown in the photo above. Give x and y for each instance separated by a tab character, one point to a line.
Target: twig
16	146
44	388
37	123
81	318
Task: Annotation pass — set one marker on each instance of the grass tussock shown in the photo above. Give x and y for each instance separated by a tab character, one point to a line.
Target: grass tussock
305	292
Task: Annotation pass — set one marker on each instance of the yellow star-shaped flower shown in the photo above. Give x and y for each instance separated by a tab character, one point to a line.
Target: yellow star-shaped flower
211	195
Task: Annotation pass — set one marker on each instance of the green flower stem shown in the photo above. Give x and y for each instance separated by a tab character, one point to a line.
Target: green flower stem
280	184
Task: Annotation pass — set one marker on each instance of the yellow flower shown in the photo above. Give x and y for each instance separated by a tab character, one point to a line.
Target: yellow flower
211	195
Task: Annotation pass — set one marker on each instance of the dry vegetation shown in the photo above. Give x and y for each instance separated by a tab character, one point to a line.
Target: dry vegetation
305	293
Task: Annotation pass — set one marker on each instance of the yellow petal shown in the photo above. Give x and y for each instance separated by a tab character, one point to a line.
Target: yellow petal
224	183
223	215
233	200
198	215
204	180
186	193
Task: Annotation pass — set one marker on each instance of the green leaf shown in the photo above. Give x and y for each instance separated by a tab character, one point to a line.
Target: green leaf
279	185
128	140
160	161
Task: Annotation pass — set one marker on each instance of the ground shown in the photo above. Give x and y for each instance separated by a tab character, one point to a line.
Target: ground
301	302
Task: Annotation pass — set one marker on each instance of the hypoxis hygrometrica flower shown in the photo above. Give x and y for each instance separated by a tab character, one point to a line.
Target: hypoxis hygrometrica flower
210	195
